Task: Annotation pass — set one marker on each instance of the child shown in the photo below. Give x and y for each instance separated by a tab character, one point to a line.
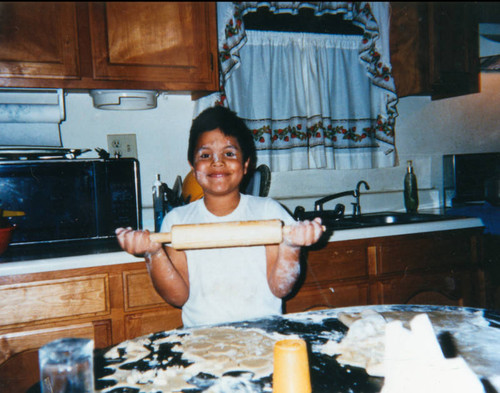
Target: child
224	284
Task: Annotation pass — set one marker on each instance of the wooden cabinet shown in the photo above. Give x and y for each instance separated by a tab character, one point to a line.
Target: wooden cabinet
115	45
108	304
428	268
434	48
154	42
38	40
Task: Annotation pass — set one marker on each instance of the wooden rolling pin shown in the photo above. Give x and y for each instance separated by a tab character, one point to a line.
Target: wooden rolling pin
225	234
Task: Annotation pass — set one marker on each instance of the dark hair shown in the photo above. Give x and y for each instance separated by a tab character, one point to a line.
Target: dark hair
231	125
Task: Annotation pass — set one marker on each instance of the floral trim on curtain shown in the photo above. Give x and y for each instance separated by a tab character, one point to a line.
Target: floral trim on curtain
319	130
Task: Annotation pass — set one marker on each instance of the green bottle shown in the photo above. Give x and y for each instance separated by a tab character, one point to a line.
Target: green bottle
410	190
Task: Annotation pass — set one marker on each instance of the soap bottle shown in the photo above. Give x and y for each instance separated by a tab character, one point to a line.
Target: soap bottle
410	190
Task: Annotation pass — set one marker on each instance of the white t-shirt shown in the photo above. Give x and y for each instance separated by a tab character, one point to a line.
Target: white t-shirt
228	284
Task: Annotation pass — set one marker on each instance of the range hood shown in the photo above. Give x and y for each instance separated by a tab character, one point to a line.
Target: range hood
31	117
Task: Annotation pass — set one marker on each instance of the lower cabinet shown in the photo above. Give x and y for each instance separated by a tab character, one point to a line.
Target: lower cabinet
108	304
440	268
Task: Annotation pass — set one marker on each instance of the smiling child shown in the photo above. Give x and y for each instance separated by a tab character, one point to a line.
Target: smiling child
223	284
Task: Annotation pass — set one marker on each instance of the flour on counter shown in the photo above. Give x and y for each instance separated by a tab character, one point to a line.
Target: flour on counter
476	341
210	351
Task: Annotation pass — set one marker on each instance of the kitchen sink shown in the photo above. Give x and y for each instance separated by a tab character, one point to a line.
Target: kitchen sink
332	221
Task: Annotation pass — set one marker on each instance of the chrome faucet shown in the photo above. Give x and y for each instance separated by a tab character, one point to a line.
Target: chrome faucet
357	194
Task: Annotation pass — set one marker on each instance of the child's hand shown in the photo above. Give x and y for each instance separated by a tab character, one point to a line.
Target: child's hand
304	233
137	243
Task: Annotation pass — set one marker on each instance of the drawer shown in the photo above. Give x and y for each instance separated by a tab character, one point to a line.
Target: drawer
423	253
334	263
54	299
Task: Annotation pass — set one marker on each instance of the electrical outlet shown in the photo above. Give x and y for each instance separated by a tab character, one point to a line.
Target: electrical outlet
122	145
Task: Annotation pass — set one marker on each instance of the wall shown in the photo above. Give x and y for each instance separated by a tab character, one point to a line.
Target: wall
425	130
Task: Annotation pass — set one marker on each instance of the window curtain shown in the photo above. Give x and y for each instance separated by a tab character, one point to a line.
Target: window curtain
311	100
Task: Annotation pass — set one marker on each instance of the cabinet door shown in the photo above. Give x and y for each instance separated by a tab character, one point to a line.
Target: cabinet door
409	45
169	43
447	288
434	48
454	49
335	275
38	40
438	251
335	295
146	311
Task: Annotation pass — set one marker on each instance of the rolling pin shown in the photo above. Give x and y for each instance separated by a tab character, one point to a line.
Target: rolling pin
225	234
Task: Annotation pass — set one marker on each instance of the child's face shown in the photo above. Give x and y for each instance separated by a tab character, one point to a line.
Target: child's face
218	163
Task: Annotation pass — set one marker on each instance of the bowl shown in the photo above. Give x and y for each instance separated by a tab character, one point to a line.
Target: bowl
5	236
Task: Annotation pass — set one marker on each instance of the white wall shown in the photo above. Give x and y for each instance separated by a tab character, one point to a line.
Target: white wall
425	130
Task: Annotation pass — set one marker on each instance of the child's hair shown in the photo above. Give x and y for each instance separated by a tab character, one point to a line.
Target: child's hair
231	125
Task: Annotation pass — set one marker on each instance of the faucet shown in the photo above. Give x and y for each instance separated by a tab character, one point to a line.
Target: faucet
318	205
357	194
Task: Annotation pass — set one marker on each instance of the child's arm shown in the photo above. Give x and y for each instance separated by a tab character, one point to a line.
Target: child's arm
167	267
283	266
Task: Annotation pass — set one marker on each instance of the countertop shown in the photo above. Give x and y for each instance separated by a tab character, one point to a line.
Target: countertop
37	265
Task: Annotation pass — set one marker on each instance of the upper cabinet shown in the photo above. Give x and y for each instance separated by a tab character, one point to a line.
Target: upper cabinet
38	40
130	45
163	42
434	48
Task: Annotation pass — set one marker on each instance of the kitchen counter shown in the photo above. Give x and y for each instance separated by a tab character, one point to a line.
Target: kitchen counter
66	263
405	229
44	264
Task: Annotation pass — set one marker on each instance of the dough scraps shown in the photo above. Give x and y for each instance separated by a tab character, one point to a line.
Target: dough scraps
205	351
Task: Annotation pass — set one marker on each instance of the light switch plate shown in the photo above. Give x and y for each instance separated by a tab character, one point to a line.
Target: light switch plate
122	145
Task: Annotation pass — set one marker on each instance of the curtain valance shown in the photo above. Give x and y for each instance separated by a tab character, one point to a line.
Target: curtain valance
312	100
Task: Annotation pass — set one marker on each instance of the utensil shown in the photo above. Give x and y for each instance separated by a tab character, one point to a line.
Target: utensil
226	234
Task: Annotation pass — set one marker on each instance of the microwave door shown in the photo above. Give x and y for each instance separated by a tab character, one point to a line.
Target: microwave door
57	197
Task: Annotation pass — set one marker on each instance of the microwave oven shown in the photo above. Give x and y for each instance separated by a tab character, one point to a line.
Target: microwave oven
70	201
465	177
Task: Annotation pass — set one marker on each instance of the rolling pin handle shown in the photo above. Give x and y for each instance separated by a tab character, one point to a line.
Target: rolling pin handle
287	229
161	237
